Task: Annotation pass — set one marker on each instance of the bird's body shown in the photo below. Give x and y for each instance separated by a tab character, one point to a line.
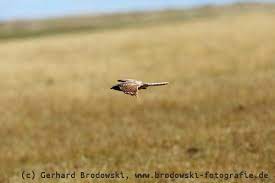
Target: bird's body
131	86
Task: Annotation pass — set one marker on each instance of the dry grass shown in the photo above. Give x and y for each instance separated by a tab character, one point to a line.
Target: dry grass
217	114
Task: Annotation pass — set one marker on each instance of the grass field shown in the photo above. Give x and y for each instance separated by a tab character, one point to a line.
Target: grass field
217	113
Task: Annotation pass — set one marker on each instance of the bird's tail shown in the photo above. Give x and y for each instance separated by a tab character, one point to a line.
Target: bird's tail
156	84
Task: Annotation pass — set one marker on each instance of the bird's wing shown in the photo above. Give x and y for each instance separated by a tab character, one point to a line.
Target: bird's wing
129	88
125	80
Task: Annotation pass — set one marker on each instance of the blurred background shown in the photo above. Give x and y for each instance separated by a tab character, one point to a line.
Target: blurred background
31	9
58	60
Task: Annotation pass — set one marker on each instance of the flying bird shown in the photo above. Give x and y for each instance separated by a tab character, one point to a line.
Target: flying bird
131	86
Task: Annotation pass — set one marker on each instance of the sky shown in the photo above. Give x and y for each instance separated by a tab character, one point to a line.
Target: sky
33	9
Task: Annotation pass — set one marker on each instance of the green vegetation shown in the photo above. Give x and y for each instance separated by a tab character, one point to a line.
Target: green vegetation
23	29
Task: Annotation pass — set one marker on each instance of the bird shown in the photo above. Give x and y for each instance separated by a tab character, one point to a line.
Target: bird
131	86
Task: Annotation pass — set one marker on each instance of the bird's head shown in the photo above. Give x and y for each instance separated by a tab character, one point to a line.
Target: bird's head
116	87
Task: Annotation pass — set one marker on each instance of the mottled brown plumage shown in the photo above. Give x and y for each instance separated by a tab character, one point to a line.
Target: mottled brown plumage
131	86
